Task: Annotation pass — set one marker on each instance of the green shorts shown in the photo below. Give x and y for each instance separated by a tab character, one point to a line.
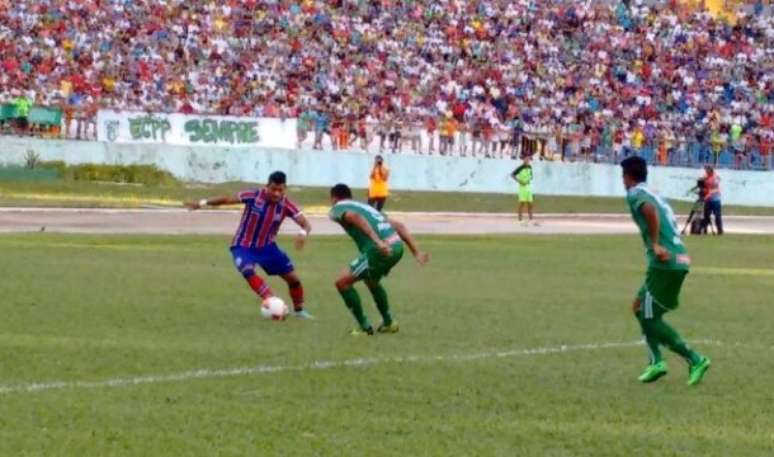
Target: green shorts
525	195
661	291
373	265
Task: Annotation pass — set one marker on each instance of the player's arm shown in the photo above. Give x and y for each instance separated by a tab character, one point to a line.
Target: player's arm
217	201
654	229
359	222
306	229
403	233
516	173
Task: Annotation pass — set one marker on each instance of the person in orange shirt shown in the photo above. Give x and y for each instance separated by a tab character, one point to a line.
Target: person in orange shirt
378	188
712	203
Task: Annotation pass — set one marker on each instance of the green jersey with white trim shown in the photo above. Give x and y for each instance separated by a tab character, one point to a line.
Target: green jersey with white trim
375	219
669	234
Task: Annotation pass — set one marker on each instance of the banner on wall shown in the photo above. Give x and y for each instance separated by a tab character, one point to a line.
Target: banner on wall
194	130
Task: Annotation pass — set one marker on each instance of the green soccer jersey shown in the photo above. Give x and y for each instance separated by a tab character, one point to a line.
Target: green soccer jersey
524	176
669	234
375	219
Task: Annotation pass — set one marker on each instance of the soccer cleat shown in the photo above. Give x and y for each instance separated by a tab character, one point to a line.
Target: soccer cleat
392	328
696	372
360	332
302	314
654	372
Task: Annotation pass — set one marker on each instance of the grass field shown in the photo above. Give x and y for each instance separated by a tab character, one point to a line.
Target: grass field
90	194
477	370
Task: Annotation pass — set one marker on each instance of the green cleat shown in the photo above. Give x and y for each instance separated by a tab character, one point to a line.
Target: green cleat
392	328
654	372
357	331
696	372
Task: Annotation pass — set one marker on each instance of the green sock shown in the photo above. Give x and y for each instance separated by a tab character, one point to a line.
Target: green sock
654	351
669	337
382	303
352	300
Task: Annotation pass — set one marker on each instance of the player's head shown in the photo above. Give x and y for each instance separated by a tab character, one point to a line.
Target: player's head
275	186
379	160
709	170
635	171
527	159
340	192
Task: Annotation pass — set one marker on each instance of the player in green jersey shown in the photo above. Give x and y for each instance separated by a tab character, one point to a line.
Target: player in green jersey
380	242
668	265
523	175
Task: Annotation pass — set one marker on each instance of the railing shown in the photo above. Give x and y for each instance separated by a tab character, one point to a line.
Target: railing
417	139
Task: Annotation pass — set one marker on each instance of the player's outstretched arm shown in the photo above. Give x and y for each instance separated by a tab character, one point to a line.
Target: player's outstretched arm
217	201
403	233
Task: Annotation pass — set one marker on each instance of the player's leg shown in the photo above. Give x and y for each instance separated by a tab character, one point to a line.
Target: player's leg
245	262
383	305
379	266
275	262
662	296
656	366
521	210
345	285
296	291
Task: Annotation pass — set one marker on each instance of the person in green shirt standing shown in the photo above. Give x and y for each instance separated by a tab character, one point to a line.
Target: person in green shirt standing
380	241
668	265
523	175
23	105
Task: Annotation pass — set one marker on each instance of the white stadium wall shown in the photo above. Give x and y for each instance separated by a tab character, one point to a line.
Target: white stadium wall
213	164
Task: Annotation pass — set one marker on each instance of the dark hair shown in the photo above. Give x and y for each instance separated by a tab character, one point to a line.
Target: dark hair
341	191
635	168
278	177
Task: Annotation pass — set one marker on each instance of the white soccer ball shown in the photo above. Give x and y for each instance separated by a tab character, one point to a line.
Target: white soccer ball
274	308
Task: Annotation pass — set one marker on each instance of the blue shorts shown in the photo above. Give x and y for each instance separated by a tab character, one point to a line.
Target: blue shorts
270	258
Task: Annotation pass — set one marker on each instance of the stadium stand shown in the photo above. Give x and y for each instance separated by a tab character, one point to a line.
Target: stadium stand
562	80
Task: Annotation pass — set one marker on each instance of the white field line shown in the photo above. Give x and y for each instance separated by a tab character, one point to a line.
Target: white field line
206	373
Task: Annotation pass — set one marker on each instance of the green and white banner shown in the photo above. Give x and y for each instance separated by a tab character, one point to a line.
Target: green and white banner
194	130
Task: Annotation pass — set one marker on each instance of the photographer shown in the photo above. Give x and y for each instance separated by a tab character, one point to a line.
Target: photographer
378	189
712	203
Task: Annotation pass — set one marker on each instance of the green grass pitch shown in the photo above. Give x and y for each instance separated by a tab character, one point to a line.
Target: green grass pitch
477	370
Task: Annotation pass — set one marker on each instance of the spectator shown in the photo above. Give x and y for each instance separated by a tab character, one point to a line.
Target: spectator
712	205
22	105
378	188
552	65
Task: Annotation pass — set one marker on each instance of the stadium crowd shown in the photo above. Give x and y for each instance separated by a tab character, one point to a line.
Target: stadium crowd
587	80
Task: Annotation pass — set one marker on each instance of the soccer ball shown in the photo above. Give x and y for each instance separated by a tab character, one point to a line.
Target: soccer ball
274	308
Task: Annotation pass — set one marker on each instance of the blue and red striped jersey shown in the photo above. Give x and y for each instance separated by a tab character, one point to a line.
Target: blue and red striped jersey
261	219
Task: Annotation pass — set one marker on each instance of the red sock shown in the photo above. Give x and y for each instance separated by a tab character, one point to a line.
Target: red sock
259	286
297	294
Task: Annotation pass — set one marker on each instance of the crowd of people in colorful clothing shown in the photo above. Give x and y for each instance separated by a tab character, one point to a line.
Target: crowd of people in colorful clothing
586	80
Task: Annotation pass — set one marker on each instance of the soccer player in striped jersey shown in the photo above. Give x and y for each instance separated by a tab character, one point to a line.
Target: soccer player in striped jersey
380	241
254	244
668	265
